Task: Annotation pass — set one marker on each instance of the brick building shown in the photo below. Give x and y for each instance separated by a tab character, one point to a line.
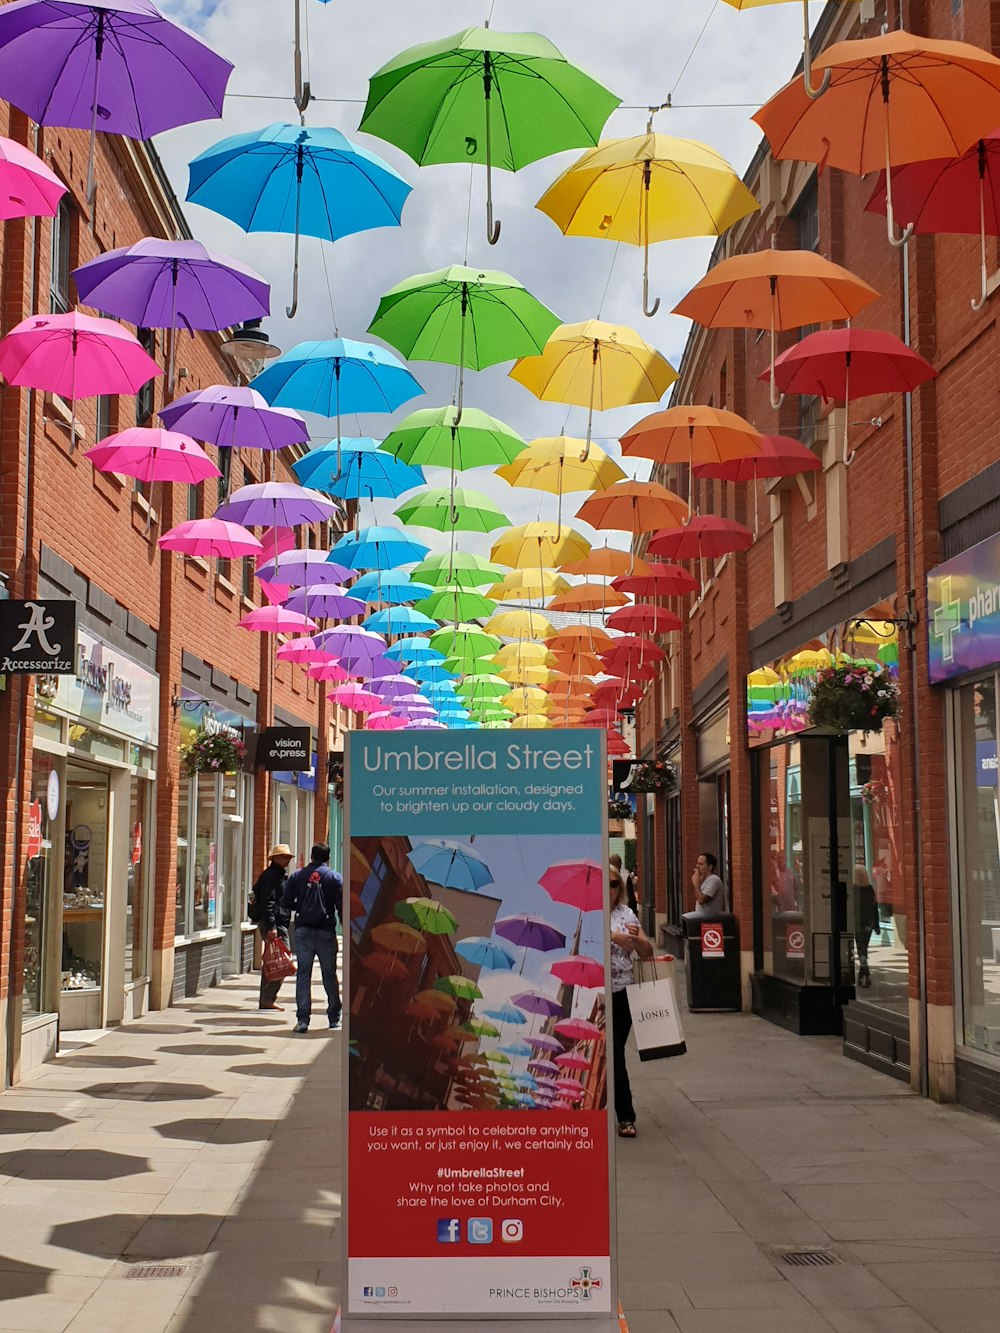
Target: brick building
900	955
133	891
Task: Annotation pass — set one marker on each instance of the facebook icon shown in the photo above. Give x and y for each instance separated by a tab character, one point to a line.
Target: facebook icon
449	1231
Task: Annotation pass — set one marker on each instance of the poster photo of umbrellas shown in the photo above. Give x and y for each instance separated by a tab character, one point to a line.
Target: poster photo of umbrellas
476	976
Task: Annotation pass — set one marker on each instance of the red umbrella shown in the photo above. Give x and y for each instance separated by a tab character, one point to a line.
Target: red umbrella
580	884
665	580
705	536
599	717
644	620
617	693
845	363
957	196
617	745
780	456
577	1029
633	645
573	1060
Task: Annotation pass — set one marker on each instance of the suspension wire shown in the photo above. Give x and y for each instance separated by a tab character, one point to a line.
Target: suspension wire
468	215
694	48
329	290
624	106
607	285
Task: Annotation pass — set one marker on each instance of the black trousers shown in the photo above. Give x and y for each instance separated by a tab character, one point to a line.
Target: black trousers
621	1026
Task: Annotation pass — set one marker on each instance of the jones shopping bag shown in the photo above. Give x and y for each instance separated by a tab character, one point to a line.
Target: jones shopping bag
278	961
656	1023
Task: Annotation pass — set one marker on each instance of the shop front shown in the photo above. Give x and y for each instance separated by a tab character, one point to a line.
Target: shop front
88	880
213	937
830	925
293	799
964	660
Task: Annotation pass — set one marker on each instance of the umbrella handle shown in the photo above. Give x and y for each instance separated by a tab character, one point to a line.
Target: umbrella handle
897	242
983	290
585	453
303	95
811	92
648	310
776	398
848	455
291	309
492	228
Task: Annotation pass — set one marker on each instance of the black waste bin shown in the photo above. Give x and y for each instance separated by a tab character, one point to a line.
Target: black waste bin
713	962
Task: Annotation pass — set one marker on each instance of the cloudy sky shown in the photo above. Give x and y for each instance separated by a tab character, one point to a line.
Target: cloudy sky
717	64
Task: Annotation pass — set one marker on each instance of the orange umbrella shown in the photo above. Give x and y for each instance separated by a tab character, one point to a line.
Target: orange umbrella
606	562
891	99
775	289
692	435
587	597
575	636
580	663
634	506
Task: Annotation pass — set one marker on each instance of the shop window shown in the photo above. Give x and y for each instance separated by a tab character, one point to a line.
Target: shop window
144	399
233	877
137	907
61	262
805	215
85	869
183	835
205	857
39	871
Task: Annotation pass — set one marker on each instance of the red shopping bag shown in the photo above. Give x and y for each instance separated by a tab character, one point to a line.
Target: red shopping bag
278	961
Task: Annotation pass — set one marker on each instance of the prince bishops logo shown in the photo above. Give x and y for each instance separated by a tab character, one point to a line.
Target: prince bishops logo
585	1284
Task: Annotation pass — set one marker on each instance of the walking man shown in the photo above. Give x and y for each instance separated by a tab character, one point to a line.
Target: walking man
269	914
316	895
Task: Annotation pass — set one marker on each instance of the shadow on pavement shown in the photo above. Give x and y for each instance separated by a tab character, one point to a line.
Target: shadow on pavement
280	1029
19	1280
78	1060
131	1236
271	1071
214	1048
218	1129
78	1164
30	1122
151	1092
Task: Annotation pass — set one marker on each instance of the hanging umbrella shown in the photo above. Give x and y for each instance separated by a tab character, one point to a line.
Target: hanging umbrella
891	99
579	884
379	547
355	699
328	600
391	585
573	1060
541	1067
949	196
461	988
309	181
776	290
587	597
435	437
75	63
533	1002
304	566
448	863
651	187
210	538
483	685
301	650
351	645
559	466
605	562
384	966
432	673
526	584
530	932
153	455
74	355
807	83
427	915
597	366
363	472
276	504
384	722
462	569
578	1029
531	722
399	620
414	650
277	620
28	188
526	674
456	604
392	688
634	507
232	416
542	1041
512	654
704	537
467	643
839	363
501	99
465	317
780	456
337	375
661	580
520	625
644	620
542	545
478	1028
481	951
445	509
397	938
691	434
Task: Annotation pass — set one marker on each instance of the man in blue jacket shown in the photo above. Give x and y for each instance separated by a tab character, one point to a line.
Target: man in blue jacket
315	894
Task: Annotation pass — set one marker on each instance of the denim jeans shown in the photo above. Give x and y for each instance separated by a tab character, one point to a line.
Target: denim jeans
312	943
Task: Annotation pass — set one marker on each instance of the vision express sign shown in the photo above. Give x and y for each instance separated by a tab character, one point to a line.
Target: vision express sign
284	749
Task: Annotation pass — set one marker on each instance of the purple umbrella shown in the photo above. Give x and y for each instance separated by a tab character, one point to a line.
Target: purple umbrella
543	1042
304	567
325	599
75	63
532	1001
425	724
392	688
542	1067
353	647
530	932
276	504
228	416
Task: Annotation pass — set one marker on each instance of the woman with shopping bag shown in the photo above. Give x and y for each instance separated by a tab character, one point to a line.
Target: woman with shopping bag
627	942
272	921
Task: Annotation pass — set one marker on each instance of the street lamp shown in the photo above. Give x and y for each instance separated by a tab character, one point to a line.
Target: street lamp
249	349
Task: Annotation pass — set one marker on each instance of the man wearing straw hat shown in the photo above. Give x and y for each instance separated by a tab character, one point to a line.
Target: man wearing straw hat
271	917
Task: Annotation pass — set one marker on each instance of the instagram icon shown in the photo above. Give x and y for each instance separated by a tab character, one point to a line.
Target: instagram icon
511	1230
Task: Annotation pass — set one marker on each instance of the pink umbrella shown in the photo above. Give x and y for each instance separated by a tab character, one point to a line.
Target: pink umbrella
356	699
149	454
578	1029
212	538
275	540
579	971
277	620
385	722
75	356
543	1042
328	669
579	884
573	1060
570	1087
542	1067
28	189
303	651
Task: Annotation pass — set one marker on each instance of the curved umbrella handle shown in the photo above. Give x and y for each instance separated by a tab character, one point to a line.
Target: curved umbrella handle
303	94
983	290
492	228
897	242
648	310
776	398
811	92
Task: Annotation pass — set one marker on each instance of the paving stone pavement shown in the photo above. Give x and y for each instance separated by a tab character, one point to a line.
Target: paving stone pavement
205	1139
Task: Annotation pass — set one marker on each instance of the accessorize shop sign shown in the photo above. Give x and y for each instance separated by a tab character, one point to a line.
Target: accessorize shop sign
109	692
963	612
478	1179
38	637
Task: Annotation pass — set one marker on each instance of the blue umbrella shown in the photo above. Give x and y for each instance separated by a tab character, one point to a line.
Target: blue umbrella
481	951
518	1049
448	863
307	181
398	620
363	471
392	585
377	548
413	650
507	1013
337	375
426	672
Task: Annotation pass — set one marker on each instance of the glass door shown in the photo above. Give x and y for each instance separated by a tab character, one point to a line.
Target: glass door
85	877
137	907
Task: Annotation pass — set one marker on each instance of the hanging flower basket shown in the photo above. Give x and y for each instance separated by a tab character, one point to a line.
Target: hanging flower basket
853	698
213	752
875	792
335	775
658	776
620	809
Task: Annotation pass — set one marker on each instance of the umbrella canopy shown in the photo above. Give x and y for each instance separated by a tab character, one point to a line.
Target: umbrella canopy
326	599
443	437
456	603
444	509
578	1029
391	688
378	547
554	464
580	884
304	566
398	938
302	650
645	620
651	187
526	584
351	645
634	506
391	585
384	722
780	456
459	987
157	284
481	951
533	1002
705	536
28	188
413	650
572	1060
356	468
694	434
502	99
153	455
356	699
605	562
277	620
586	597
530	932
451	864
542	1041
399	620
466	642
337	375
232	416
210	538
539	545
520	625
460	568
276	504
74	355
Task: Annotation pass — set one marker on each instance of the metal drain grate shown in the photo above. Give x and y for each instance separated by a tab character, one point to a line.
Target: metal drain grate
808	1258
151	1272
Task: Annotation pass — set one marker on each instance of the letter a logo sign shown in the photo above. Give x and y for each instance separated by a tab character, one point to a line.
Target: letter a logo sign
38	636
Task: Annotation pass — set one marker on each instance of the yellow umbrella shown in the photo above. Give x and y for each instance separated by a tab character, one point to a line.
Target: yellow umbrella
532	722
397	938
560	465
520	625
524	584
651	187
527	699
597	366
535	654
539	545
806	45
524	673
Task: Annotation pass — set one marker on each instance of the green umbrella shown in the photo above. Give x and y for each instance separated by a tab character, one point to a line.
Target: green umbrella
500	98
461	569
480	1028
456	604
434	437
483	686
497	1058
427	915
466	643
461	988
444	508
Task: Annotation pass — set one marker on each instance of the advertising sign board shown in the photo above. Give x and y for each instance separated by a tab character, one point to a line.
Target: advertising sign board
478	1161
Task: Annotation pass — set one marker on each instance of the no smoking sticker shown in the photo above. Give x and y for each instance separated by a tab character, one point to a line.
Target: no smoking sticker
711	942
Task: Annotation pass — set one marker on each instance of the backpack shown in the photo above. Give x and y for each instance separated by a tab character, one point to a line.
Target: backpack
253	908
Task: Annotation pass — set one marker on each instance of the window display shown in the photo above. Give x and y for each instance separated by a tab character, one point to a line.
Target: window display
137	871
85	869
38	864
